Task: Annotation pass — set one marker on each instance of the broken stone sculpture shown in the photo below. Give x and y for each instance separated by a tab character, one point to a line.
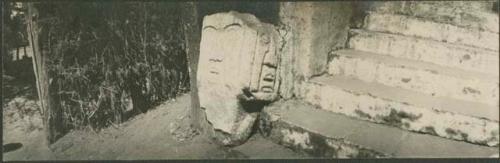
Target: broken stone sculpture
237	73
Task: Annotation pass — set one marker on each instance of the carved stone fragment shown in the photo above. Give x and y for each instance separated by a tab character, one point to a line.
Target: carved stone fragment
237	73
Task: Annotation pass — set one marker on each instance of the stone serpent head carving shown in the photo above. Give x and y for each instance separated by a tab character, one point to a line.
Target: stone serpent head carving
237	72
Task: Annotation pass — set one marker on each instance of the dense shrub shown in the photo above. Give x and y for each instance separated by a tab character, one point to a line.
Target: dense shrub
105	56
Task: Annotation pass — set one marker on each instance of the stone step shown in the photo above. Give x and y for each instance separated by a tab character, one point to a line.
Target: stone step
477	15
412	26
302	127
467	58
445	117
428	78
449	6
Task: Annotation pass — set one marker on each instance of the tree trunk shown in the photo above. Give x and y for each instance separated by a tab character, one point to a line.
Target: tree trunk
17	53
52	117
25	53
192	37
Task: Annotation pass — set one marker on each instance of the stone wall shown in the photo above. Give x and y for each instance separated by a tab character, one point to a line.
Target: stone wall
310	31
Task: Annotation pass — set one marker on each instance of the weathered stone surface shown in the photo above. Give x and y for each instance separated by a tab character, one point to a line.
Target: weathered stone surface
444	117
456	56
411	26
310	30
469	14
286	127
434	80
324	134
237	71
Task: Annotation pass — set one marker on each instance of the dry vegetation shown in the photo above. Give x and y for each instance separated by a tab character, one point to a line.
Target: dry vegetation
110	60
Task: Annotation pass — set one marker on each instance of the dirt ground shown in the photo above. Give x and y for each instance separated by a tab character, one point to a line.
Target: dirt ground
145	137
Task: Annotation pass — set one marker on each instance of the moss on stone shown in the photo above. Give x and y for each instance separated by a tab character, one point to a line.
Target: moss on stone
321	146
430	130
464	135
406	124
406	80
395	117
362	114
467	90
451	132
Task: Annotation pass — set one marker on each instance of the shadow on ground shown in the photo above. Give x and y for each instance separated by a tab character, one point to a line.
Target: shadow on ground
146	136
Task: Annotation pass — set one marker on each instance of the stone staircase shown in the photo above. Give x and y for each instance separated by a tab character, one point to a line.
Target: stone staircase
418	79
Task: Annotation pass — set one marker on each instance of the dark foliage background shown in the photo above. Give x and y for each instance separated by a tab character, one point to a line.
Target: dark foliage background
17	75
110	60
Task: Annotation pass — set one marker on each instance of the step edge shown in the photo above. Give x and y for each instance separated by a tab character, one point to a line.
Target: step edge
311	133
363	34
488	17
399	35
485	108
488	33
419	18
429	67
393	153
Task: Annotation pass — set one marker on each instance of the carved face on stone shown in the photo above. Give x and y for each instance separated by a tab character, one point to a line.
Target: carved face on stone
238	62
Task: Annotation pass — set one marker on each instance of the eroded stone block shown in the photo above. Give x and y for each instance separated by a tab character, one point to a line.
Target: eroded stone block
237	72
310	31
